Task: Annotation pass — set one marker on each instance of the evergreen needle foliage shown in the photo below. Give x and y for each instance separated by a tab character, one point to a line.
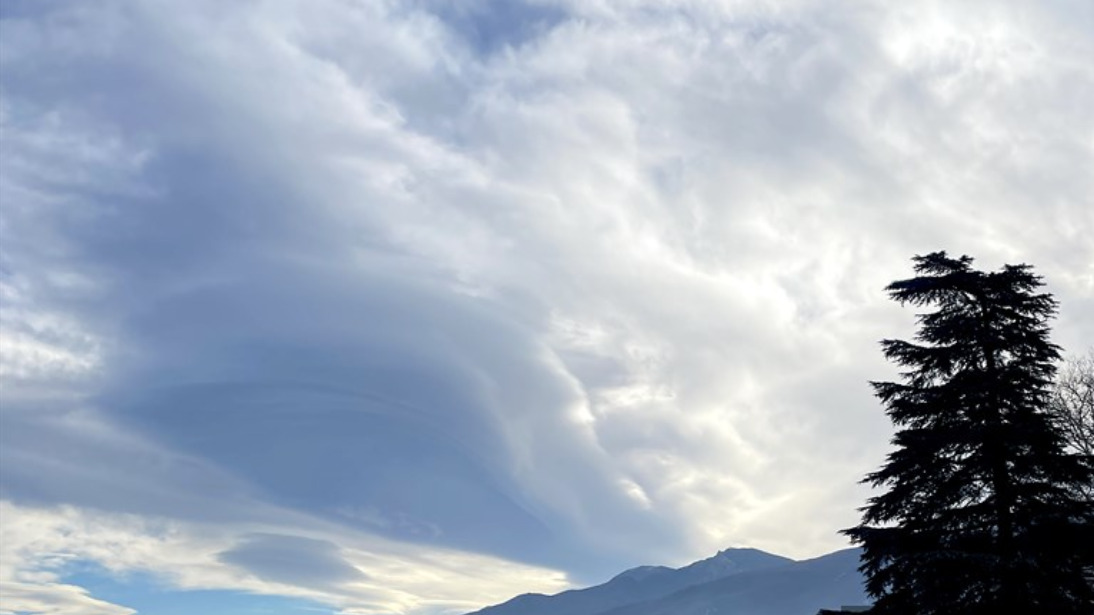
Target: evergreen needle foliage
979	513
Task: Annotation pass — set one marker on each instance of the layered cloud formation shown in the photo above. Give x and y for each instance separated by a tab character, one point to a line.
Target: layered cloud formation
409	307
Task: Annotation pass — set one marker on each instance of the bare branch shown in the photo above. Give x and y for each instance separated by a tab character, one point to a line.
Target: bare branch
1072	402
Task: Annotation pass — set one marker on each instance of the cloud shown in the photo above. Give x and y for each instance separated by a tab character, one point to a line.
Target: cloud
42	544
576	285
292	560
49	598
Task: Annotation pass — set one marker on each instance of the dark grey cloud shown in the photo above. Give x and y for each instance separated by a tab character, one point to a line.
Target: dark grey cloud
293	560
344	393
317	362
490	27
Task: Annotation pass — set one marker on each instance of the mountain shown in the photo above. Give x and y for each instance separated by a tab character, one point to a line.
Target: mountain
636	585
798	588
733	582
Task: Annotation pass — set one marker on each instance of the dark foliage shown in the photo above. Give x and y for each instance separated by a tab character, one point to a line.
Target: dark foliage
979	512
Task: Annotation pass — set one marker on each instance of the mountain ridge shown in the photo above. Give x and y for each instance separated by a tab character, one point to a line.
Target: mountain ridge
740	581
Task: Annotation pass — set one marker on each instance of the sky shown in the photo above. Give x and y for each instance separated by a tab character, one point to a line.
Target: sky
406	307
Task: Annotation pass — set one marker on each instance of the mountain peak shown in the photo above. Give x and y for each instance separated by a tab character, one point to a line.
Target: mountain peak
641	573
740	550
731	561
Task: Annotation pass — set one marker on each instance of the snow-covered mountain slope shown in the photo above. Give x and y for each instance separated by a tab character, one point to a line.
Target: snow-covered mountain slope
733	582
798	588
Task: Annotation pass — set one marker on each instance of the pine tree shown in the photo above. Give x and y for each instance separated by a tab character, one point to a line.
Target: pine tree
979	513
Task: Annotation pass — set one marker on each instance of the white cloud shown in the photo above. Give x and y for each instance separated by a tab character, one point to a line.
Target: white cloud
41	544
51	598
